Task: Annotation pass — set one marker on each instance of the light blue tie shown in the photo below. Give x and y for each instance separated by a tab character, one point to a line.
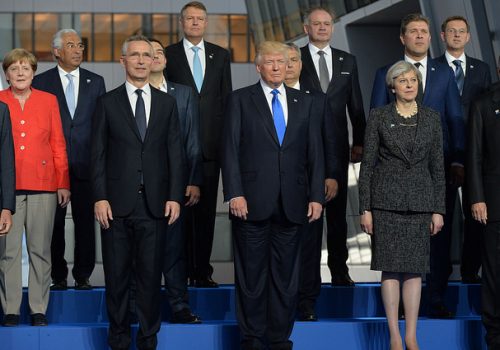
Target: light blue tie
278	116
70	95
197	70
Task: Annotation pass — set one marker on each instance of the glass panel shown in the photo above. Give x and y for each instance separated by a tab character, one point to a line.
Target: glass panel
239	24
102	37
23	36
124	25
83	25
217	30
5	33
161	28
239	48
46	24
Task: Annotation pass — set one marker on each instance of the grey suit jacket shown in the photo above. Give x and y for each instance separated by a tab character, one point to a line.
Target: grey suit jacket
392	179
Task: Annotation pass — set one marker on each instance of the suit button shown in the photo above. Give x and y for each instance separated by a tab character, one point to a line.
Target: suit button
44	162
23	134
22	148
22	122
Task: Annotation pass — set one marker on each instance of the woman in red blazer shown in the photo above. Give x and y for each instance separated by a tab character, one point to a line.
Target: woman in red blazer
42	182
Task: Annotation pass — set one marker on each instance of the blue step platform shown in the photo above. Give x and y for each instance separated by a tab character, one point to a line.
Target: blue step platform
350	318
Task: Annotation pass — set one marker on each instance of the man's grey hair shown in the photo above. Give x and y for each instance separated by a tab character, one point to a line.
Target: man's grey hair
57	39
135	38
398	68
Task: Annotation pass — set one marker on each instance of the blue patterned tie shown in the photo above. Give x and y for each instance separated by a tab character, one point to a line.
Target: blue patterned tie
278	116
70	95
197	70
459	75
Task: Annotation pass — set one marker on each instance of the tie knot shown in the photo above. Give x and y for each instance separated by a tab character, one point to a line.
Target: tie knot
275	92
139	92
457	63
321	53
69	76
417	64
195	49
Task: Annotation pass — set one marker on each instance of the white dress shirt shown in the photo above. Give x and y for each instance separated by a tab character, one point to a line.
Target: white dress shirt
281	97
163	85
450	60
146	96
76	81
190	54
422	68
328	58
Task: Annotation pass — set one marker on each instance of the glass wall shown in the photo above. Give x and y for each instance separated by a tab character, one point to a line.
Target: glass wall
104	33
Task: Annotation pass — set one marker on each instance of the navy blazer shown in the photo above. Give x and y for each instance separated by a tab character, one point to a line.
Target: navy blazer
7	162
189	117
477	81
255	166
212	97
441	94
343	92
483	153
391	178
77	130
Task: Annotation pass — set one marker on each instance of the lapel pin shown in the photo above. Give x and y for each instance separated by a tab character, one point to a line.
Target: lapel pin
307	92
341	58
497	112
392	125
211	56
88	81
471	66
295	100
433	69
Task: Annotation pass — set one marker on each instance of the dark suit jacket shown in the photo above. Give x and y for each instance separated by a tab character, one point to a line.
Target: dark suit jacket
256	167
77	131
119	158
393	179
477	81
7	162
189	116
483	153
441	94
343	91
216	86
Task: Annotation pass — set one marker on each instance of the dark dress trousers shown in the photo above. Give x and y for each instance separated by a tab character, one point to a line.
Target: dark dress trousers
343	93
7	163
212	99
476	82
483	176
137	178
174	267
442	95
277	183
77	131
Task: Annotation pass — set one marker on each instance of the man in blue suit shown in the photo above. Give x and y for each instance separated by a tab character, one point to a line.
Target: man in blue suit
439	92
174	265
473	79
77	90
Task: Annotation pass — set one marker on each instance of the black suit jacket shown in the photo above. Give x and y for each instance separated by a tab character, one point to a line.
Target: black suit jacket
483	153
7	162
77	131
477	81
391	178
189	116
119	158
256	167
216	86
343	91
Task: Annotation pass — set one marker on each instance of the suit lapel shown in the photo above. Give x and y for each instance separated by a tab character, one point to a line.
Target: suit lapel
308	64
83	91
429	81
337	67
265	114
59	91
392	125
293	104
124	104
154	115
184	64
209	66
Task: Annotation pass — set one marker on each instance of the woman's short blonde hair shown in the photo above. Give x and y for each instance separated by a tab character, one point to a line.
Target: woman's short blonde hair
19	55
398	68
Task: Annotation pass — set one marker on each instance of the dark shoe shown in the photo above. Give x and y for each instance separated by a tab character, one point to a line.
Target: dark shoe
471	279
342	279
39	320
308	317
83	284
440	311
59	285
185	316
10	320
206	283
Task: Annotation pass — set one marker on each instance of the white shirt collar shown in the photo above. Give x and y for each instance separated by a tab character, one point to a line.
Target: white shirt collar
131	89
74	73
423	61
268	89
451	58
314	50
188	45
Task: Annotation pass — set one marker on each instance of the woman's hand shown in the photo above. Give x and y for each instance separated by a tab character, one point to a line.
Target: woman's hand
437	223
366	222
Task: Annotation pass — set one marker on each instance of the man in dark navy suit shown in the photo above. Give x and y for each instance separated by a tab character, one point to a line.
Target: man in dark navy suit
77	90
473	79
438	91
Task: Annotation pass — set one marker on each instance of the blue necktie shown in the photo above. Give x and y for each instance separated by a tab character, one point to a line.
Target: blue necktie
197	70
70	95
140	114
278	116
459	75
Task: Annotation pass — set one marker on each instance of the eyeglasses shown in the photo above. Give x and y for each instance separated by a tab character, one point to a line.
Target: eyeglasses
73	46
453	31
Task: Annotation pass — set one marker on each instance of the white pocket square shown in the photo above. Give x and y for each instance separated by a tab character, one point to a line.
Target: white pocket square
345	73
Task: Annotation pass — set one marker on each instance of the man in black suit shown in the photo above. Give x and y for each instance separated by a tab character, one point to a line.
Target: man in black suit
77	90
174	265
312	234
473	79
7	173
273	176
335	73
206	68
137	164
483	183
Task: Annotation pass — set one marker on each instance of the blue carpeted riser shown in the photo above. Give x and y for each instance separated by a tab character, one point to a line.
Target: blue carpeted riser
360	334
219	304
